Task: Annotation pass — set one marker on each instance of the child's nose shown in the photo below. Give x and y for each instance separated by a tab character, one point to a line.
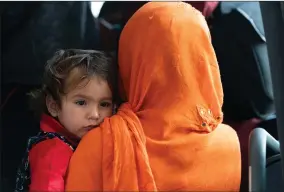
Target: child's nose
94	114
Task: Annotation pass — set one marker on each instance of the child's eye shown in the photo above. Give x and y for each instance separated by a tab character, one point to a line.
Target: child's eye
105	104
81	102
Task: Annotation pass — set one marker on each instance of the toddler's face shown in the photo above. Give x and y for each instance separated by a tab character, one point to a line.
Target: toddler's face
86	106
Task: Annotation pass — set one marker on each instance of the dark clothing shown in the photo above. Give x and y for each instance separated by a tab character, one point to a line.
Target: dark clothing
33	31
240	45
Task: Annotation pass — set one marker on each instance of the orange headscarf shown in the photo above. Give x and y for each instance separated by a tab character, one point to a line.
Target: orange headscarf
168	136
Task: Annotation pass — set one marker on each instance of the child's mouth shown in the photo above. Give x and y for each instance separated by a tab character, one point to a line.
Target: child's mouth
88	128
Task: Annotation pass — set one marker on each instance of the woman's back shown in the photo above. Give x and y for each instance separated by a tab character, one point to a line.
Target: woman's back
201	167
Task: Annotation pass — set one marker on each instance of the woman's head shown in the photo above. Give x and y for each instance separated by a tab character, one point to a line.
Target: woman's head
167	64
77	89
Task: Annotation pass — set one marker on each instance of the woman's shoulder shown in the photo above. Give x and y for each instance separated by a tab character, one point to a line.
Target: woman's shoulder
226	127
93	136
230	134
90	144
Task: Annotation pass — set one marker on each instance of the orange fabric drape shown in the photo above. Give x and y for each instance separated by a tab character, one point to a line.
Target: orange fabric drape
169	135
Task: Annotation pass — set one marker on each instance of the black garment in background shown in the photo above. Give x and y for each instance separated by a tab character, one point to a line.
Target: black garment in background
18	124
31	33
240	45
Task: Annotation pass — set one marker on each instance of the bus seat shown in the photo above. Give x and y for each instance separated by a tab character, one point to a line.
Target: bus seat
273	174
265	162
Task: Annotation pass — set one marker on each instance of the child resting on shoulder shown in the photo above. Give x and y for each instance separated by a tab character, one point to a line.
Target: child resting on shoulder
78	92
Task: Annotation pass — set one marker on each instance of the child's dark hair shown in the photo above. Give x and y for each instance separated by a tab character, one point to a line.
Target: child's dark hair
57	70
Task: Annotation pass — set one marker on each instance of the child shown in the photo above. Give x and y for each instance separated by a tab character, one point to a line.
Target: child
76	96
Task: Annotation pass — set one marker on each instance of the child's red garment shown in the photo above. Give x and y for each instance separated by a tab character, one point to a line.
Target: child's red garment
49	159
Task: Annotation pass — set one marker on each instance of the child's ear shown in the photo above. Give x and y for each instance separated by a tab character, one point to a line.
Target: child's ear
51	106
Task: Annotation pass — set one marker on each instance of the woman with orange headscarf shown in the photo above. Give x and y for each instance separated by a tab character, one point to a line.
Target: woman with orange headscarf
169	135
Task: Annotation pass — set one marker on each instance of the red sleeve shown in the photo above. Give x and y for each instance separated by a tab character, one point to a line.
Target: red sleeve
48	164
